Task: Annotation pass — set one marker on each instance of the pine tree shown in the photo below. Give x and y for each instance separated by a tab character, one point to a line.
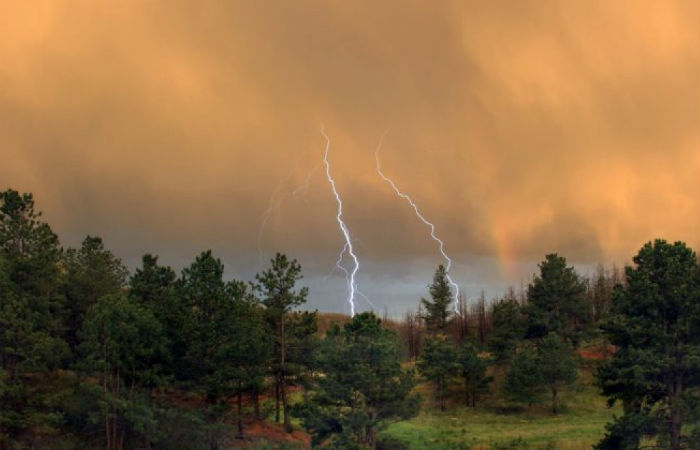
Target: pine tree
123	344
508	329
654	324
438	364
557	302
524	381
473	371
92	272
276	287
437	314
30	313
557	365
362	389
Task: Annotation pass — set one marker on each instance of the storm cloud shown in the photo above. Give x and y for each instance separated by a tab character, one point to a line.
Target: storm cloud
520	128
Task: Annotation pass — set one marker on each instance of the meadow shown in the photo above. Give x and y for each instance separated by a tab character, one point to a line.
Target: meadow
495	424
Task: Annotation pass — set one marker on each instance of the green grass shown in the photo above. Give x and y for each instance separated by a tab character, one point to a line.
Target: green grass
580	424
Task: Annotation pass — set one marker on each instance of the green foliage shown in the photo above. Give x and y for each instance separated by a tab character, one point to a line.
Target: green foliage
438	364
30	312
473	371
437	314
508	329
154	287
557	302
276	286
654	323
363	386
524	381
122	344
557	365
91	273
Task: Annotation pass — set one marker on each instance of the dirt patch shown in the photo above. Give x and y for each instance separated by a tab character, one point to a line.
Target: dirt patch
259	433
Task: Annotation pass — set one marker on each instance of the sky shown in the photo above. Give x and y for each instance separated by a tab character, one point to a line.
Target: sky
519	128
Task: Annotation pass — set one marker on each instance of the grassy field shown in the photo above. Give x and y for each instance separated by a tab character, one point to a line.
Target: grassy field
579	426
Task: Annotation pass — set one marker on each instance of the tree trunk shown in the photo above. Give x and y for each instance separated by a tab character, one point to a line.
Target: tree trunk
283	370
239	401
441	391
256	404
277	398
676	420
555	399
466	391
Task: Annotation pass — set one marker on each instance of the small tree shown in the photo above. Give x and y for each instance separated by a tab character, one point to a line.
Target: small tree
558	365
438	364
524	382
473	371
437	314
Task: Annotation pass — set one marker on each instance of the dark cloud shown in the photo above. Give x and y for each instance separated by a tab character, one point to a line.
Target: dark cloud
519	128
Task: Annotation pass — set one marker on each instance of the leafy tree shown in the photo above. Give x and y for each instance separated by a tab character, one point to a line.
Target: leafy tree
473	371
508	329
558	366
92	272
654	324
123	343
524	381
362	387
437	314
557	301
276	286
438	364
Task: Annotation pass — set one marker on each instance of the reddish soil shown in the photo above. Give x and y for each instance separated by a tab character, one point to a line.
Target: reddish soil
258	433
598	352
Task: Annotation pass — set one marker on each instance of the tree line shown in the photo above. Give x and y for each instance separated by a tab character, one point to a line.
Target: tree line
93	356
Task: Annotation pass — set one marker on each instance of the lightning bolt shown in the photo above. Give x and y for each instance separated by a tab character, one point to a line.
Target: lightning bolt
274	203
276	200
352	287
425	221
339	265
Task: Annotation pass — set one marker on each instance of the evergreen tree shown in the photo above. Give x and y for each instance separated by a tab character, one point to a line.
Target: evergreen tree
438	364
362	387
207	364
557	301
654	324
276	286
508	329
558	366
437	314
92	271
30	312
473	371
123	344
155	287
248	348
524	381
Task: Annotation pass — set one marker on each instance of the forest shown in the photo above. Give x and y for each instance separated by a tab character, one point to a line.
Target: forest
93	356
